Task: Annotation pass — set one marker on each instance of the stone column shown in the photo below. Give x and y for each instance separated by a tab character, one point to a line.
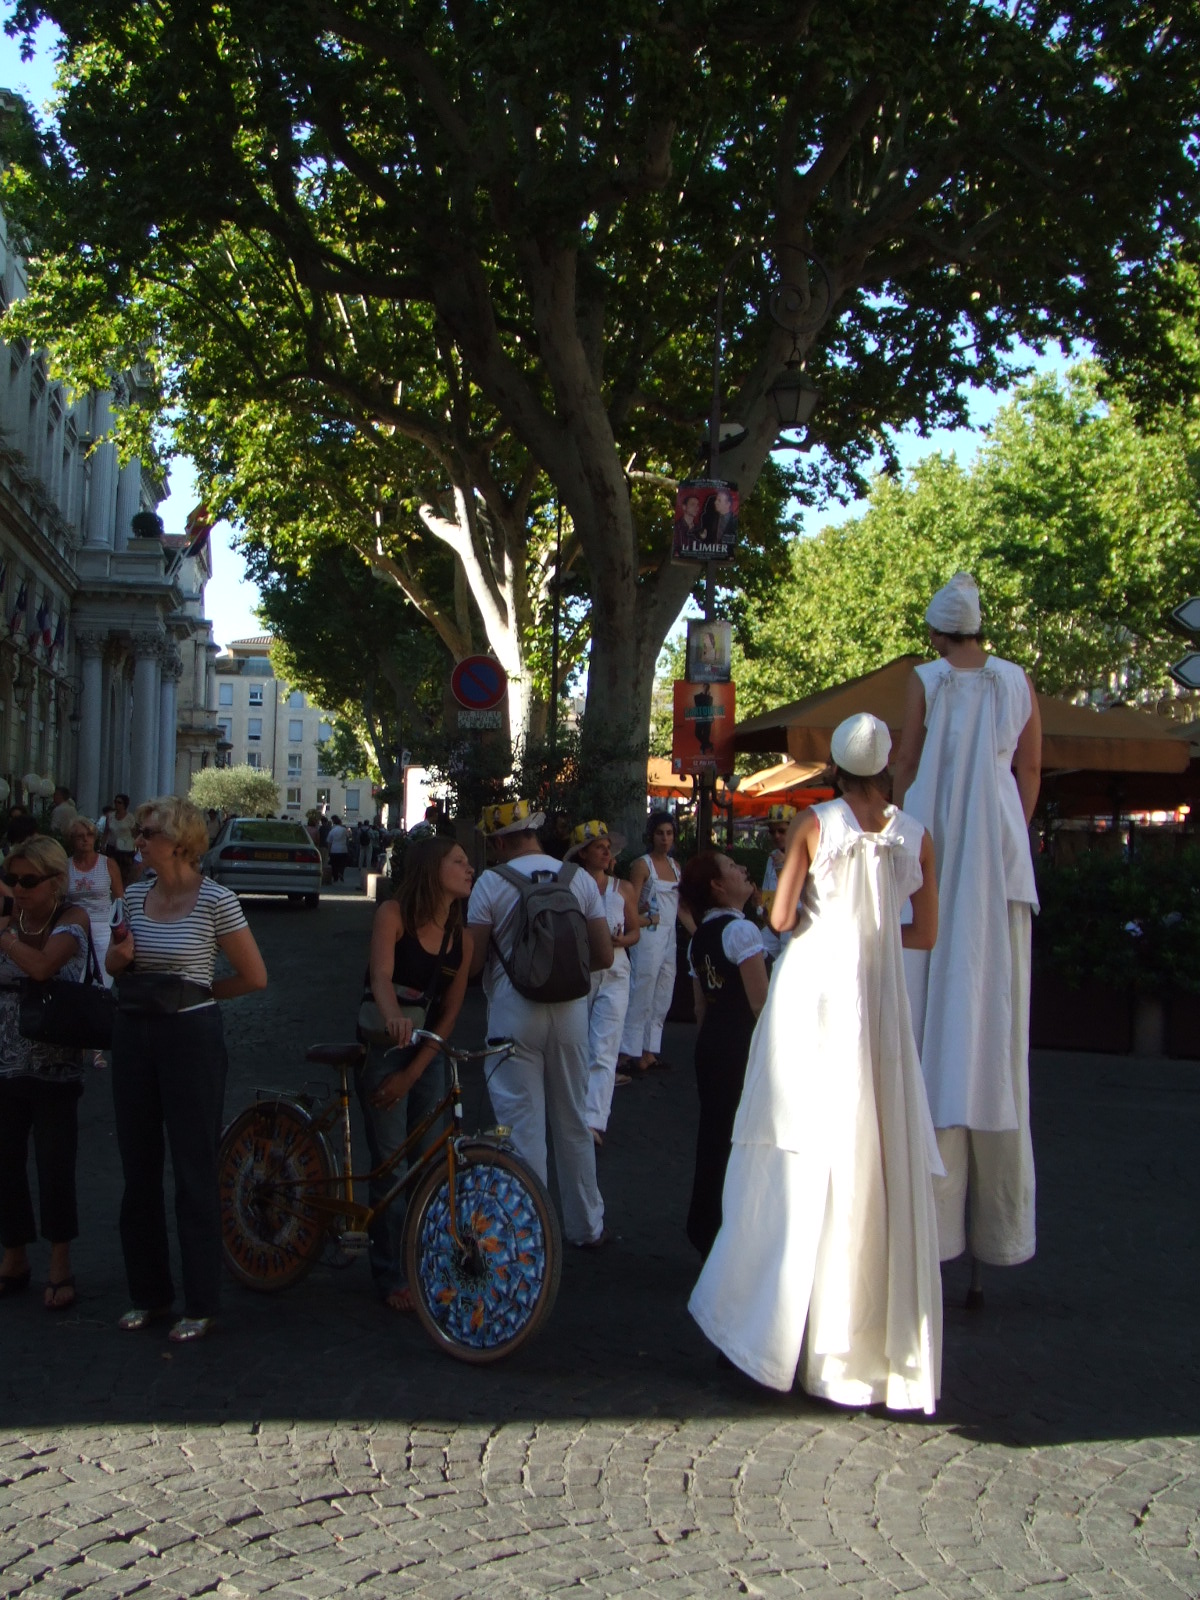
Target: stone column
143	777
172	671
129	502
91	717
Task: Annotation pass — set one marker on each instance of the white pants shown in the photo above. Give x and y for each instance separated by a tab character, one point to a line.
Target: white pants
989	1176
607	1005
650	990
546	1078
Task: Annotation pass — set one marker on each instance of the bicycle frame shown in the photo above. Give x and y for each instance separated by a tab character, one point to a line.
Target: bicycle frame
344	1206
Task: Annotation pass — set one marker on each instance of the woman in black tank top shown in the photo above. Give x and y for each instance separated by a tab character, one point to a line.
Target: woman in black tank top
418	943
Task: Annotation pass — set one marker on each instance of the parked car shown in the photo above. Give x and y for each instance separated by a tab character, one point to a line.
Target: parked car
265	855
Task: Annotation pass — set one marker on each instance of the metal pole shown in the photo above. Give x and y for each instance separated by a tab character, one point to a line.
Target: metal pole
557	593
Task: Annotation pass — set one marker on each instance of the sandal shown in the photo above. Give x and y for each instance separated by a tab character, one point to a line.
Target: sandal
621	1079
189	1329
55	1289
14	1282
141	1317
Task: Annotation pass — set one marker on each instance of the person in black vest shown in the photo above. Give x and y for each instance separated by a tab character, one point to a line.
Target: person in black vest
729	978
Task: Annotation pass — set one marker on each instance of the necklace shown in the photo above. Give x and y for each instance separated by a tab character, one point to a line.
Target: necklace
34	933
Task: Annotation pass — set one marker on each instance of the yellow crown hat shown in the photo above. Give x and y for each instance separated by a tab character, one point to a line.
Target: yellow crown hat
515	816
587	833
781	813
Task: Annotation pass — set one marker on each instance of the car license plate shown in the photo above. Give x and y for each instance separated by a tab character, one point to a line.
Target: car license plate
270	855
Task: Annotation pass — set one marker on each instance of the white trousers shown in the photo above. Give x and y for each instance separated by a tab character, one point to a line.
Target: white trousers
650	990
546	1078
607	1004
987	1198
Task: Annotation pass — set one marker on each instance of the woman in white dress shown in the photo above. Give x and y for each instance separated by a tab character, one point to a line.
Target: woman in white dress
827	1257
93	882
593	847
655	880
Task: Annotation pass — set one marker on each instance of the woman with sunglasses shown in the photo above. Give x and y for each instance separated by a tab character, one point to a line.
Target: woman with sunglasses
40	1084
169	1061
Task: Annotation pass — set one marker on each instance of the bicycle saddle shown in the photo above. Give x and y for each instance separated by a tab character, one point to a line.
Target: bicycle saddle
336	1055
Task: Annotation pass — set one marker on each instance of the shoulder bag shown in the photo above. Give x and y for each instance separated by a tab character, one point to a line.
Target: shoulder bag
61	1011
372	1029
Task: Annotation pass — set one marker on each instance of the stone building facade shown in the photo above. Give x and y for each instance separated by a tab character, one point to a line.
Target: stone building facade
106	656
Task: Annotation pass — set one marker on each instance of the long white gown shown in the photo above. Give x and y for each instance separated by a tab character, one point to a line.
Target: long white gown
827	1256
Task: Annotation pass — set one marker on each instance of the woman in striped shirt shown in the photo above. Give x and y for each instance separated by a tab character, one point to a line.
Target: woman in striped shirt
169	1061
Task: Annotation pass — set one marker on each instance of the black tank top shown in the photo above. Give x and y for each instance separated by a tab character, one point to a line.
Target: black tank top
414	967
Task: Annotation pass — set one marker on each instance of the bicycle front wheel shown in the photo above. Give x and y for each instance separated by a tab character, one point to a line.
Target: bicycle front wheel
485	1298
271	1162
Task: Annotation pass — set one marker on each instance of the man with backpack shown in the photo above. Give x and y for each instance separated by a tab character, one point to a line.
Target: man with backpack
539	931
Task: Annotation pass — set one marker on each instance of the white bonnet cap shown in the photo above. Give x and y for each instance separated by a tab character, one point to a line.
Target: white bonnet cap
955	607
861	745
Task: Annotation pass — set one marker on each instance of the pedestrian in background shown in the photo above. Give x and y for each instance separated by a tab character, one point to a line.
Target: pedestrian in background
338	843
169	1062
40	1084
729	980
969	767
118	838
655	880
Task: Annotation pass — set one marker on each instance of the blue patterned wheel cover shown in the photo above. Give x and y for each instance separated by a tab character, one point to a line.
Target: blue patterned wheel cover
487	1305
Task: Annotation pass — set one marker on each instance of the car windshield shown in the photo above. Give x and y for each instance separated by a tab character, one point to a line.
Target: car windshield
257	830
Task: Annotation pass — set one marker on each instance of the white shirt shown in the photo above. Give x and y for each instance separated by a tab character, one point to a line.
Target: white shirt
493	905
338	842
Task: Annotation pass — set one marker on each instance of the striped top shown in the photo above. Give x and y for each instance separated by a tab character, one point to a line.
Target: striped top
187	945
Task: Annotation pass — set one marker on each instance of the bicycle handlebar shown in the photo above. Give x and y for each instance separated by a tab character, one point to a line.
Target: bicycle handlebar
427	1036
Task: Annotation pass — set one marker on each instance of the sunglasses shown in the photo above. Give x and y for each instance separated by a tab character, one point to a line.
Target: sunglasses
148	833
24	880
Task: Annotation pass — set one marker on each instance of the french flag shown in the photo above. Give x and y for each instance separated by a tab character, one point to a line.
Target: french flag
42	626
60	633
19	610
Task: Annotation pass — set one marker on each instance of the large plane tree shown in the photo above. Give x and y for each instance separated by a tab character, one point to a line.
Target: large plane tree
553	194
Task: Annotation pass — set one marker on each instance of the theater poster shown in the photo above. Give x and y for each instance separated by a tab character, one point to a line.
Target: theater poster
706	520
709	651
702	737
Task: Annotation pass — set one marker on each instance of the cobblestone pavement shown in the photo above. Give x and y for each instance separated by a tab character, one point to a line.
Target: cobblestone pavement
316	1443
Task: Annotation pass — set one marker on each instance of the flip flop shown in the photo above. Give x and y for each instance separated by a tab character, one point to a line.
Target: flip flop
56	1288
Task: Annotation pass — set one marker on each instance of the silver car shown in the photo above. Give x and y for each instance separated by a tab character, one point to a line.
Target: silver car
265	855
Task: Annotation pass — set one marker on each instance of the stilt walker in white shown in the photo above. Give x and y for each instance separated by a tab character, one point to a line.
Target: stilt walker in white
826	1264
969	767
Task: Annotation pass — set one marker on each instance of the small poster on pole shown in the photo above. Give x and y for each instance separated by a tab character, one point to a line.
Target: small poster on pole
709	651
706	520
702	735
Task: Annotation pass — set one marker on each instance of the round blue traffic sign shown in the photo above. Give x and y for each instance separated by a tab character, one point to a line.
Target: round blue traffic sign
478	683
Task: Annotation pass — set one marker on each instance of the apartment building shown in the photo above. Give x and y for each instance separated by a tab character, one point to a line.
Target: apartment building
266	723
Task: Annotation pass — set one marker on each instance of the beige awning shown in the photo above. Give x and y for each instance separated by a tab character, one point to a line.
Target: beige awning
1074	738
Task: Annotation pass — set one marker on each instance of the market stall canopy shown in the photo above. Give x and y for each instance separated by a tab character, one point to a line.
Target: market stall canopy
1073	737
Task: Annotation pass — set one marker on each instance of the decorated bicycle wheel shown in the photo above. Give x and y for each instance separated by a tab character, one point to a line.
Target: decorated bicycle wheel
483	1296
272	1161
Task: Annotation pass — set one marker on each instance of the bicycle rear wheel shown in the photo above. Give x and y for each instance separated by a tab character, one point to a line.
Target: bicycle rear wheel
486	1300
271	1159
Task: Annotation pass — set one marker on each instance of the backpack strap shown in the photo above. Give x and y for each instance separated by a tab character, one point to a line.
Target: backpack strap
522	885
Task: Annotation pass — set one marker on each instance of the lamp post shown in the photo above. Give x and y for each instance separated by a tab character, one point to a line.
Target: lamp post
791	307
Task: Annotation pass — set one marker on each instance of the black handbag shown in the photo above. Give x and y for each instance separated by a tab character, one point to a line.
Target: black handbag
74	1016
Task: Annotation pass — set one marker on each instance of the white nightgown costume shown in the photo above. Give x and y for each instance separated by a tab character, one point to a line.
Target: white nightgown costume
827	1255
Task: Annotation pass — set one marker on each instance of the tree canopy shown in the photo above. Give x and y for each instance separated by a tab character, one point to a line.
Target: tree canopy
1080	524
239	791
494	229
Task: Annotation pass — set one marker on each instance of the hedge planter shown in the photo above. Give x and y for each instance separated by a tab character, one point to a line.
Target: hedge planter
1095	1017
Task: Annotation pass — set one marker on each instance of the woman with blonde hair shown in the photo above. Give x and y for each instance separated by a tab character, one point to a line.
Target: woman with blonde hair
169	1061
93	882
40	1084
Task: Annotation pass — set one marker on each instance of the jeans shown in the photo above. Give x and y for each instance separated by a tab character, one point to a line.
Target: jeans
386	1131
168	1077
47	1109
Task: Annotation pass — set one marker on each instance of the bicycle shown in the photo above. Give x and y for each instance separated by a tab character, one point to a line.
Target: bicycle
482	1244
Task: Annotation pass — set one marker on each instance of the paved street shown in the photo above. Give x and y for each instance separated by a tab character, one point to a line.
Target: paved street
316	1443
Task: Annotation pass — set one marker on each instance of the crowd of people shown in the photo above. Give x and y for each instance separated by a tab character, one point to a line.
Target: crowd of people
861	1058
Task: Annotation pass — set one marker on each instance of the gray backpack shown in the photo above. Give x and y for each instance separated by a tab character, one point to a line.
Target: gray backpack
549	959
